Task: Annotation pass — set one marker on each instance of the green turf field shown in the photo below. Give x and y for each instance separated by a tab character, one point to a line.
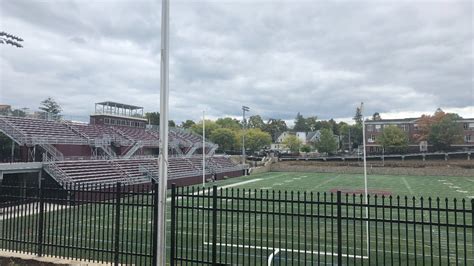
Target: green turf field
253	231
426	186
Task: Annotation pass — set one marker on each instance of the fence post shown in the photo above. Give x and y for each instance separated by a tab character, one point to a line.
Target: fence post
40	221
214	225
117	223
339	228
173	223
155	223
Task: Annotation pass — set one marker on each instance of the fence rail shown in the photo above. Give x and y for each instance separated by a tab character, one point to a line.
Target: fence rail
257	227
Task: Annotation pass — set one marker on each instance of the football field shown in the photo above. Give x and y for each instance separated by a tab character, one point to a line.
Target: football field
275	218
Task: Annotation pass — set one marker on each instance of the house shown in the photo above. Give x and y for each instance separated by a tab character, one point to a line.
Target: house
307	138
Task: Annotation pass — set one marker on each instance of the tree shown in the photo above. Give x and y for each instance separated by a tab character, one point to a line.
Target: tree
50	106
228	122
356	135
311	123
187	124
393	139
275	127
327	142
153	118
255	139
293	143
425	123
306	148
300	124
358	116
210	127
19	113
171	123
256	121
444	133
225	138
376	116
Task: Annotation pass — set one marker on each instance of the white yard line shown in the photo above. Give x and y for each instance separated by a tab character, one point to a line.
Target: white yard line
226	186
326	181
288	250
407	185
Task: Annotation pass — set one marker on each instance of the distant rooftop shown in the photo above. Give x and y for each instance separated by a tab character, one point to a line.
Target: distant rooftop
120	105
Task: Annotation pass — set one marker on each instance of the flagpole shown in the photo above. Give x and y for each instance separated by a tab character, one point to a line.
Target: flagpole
365	178
203	150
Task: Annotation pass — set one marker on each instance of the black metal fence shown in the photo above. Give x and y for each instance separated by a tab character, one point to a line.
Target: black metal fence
107	224
116	224
257	227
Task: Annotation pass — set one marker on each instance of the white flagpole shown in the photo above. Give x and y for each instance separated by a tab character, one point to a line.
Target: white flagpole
163	156
203	150
365	177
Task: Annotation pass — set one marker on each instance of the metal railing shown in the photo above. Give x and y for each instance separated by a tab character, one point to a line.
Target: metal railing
260	227
101	224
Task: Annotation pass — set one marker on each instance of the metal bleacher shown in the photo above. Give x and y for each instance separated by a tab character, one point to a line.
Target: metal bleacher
129	172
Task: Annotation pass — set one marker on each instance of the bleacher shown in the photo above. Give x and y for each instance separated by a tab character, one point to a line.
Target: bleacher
44	131
134	171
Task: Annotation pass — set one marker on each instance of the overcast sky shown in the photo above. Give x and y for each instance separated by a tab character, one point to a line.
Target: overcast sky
402	58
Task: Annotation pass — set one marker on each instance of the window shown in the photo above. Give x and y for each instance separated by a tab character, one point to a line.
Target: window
467	138
415	126
107	121
378	127
370	128
466	126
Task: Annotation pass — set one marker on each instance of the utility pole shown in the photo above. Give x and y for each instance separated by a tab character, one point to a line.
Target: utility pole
244	109
163	157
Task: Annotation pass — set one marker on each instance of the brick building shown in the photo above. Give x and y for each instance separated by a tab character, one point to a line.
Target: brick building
374	128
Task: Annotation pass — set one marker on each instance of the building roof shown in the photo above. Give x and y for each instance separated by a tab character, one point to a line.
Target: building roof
120	105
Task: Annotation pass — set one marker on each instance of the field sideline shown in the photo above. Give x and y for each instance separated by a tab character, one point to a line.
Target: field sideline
418	186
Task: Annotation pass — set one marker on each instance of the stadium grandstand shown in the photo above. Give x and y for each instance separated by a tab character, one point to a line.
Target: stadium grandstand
117	145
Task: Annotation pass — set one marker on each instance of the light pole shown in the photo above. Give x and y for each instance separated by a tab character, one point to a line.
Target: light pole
6	38
244	109
163	157
365	176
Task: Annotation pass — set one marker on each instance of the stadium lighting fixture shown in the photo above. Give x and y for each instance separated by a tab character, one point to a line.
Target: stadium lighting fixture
13	40
244	109
163	156
365	176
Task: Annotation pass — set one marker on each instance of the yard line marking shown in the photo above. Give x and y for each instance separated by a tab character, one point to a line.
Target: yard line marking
270	258
288	250
326	181
461	191
441	180
265	188
226	186
407	185
447	183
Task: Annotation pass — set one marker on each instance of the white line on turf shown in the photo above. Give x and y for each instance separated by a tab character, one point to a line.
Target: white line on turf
226	186
408	185
270	258
288	250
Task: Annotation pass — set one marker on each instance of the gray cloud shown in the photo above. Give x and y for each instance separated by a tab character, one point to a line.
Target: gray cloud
316	57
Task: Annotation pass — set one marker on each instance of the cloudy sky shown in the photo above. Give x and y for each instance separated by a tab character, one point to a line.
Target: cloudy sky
323	58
